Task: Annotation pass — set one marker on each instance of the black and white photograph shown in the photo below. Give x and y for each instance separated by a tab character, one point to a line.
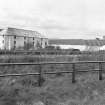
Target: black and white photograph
52	52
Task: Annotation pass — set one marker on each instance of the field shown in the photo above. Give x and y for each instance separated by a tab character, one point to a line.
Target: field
56	89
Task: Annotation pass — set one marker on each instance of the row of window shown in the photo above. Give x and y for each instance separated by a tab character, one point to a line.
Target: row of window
24	42
24	38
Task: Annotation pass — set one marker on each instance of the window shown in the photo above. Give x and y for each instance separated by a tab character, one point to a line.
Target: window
45	43
24	43
25	38
33	43
15	37
14	42
14	46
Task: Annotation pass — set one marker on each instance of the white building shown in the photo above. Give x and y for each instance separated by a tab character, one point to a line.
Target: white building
81	44
13	38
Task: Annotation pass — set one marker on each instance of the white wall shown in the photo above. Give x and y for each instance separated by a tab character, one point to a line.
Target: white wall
9	42
44	40
81	47
1	42
19	42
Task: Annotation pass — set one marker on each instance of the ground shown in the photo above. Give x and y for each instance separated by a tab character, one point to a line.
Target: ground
56	89
87	90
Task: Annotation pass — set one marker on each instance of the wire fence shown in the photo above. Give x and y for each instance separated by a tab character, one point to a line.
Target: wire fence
40	72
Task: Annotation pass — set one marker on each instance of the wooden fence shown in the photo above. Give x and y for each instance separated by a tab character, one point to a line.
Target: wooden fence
41	64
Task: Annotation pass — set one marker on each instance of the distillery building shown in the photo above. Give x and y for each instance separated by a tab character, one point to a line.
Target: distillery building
13	38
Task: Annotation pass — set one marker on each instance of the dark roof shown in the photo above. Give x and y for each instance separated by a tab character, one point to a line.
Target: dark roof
92	42
21	32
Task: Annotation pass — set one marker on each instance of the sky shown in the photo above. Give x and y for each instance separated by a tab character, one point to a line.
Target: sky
73	19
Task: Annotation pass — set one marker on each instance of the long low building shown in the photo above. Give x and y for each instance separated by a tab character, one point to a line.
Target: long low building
13	38
82	44
90	42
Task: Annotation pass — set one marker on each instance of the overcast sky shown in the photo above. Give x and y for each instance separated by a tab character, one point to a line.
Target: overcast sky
56	18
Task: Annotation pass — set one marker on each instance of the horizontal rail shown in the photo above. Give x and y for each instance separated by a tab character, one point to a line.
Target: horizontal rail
40	72
96	70
44	63
25	74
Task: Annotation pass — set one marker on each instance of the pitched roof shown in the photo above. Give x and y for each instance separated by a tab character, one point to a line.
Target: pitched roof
22	32
77	42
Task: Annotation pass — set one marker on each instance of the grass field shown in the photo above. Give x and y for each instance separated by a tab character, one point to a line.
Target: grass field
34	58
56	89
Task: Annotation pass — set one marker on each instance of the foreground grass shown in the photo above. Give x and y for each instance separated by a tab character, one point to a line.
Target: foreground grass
88	90
55	58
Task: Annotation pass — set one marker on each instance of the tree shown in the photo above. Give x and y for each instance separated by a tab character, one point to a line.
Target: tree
75	51
58	48
50	47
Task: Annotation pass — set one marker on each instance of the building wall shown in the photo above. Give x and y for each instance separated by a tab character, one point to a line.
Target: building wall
18	42
18	38
35	42
44	42
8	42
1	42
30	40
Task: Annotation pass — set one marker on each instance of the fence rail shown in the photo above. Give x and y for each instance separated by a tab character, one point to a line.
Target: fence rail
40	73
44	63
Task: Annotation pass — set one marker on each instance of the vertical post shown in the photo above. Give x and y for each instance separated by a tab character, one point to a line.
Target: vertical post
40	76
73	73
100	71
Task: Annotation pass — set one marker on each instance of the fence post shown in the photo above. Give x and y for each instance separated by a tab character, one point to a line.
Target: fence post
73	73
40	76
100	71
